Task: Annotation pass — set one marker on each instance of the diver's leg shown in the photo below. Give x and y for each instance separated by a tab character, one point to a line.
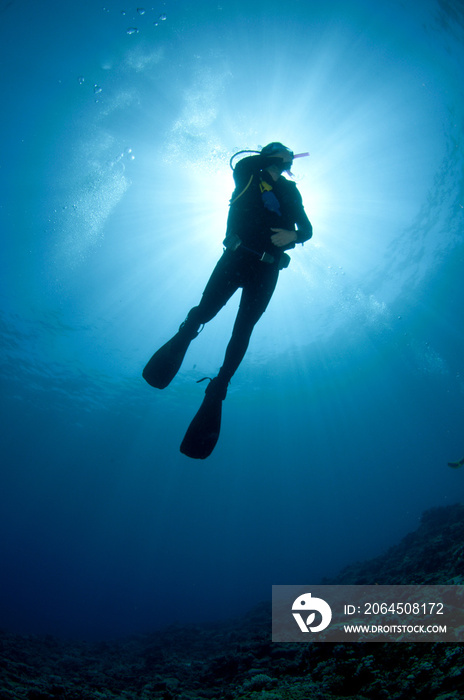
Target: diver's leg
166	362
223	283
256	295
203	432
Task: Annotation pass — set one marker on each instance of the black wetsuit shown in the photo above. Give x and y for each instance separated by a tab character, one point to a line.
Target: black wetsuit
258	204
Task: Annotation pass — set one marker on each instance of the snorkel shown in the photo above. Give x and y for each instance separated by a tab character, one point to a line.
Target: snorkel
296	155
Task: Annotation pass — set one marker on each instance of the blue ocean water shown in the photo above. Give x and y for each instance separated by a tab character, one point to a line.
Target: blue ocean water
118	123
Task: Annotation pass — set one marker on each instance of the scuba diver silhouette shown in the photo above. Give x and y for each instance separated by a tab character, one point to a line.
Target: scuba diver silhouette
266	218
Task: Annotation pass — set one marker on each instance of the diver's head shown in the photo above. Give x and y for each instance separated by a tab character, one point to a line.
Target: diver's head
277	156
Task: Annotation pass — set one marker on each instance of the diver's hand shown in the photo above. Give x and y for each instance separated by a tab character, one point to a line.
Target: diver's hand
283	237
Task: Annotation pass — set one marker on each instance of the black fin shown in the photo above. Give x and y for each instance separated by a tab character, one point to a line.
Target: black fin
456	465
161	369
203	432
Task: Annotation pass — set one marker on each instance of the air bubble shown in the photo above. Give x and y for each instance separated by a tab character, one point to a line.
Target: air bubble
97	89
162	17
81	79
132	30
140	10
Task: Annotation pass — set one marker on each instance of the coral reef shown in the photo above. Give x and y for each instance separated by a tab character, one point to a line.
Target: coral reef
236	659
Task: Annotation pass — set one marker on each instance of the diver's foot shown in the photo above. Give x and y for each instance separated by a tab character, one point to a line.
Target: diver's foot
203	432
190	328
163	366
217	389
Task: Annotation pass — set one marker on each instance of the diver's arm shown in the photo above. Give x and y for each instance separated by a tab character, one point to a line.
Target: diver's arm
305	230
283	237
286	238
303	224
